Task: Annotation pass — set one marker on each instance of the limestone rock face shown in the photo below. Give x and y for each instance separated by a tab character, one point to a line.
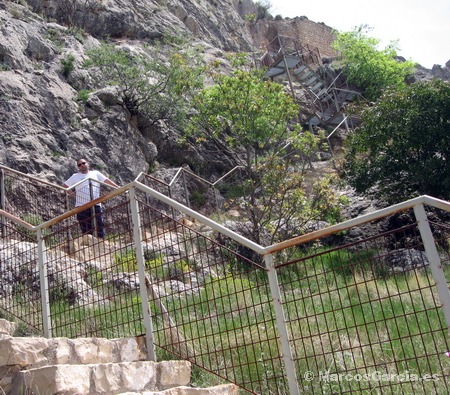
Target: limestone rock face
45	125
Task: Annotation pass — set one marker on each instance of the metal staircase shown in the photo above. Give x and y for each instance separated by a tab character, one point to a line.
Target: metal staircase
285	57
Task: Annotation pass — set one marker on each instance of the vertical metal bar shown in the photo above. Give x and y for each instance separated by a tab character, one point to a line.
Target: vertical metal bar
2	200
188	203
45	299
434	260
281	325
169	191
289	77
69	234
216	196
93	213
149	340
280	45
67	197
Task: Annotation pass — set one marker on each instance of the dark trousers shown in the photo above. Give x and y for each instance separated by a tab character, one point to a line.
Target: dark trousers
86	221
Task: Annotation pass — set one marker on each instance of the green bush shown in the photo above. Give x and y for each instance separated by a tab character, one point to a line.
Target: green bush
368	67
67	64
198	199
83	95
402	149
158	268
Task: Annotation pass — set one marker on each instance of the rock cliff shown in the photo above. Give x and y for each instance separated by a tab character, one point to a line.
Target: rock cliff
45	126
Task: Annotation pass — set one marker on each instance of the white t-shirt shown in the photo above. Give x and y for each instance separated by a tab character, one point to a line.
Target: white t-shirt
83	193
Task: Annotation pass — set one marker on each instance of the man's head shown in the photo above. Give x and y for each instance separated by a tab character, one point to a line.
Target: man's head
83	165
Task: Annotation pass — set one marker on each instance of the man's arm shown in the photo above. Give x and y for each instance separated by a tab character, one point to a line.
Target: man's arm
71	192
112	183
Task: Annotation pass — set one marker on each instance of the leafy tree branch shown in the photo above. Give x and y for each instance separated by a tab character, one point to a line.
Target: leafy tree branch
368	67
403	146
154	84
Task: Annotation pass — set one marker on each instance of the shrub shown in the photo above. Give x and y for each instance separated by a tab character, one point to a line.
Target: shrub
68	64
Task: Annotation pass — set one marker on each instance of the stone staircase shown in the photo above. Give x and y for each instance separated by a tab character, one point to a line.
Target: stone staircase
40	366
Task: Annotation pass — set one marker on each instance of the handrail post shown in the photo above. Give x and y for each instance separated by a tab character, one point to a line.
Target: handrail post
69	233
281	325
2	200
93	218
434	260
149	340
188	203
43	279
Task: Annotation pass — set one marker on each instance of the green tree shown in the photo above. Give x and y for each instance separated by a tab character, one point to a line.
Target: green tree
243	111
154	84
252	120
368	67
403	146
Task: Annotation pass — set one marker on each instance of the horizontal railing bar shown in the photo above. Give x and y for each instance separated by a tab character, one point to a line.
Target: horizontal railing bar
88	179
181	169
139	176
205	220
227	174
437	203
85	206
337	127
346	225
175	177
32	177
17	220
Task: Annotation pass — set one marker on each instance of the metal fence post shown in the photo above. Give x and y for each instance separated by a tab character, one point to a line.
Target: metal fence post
149	340
69	233
93	218
45	299
281	325
434	260
188	203
2	200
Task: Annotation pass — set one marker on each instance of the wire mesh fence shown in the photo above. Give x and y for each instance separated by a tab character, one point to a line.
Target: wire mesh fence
20	296
213	305
365	317
360	317
194	191
89	293
29	198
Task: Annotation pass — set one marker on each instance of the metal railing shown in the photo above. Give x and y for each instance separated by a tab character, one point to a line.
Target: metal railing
192	190
322	314
284	45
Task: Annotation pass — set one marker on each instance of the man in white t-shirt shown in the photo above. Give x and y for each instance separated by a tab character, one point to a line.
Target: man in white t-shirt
85	192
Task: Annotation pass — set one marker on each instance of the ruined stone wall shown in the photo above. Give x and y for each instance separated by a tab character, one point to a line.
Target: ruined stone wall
314	34
304	31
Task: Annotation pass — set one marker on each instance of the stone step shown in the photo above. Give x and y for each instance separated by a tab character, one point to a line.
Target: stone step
7	328
88	366
39	351
20	353
103	379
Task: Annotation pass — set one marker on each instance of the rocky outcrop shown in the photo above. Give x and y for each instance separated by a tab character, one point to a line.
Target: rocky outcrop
20	268
220	24
45	124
